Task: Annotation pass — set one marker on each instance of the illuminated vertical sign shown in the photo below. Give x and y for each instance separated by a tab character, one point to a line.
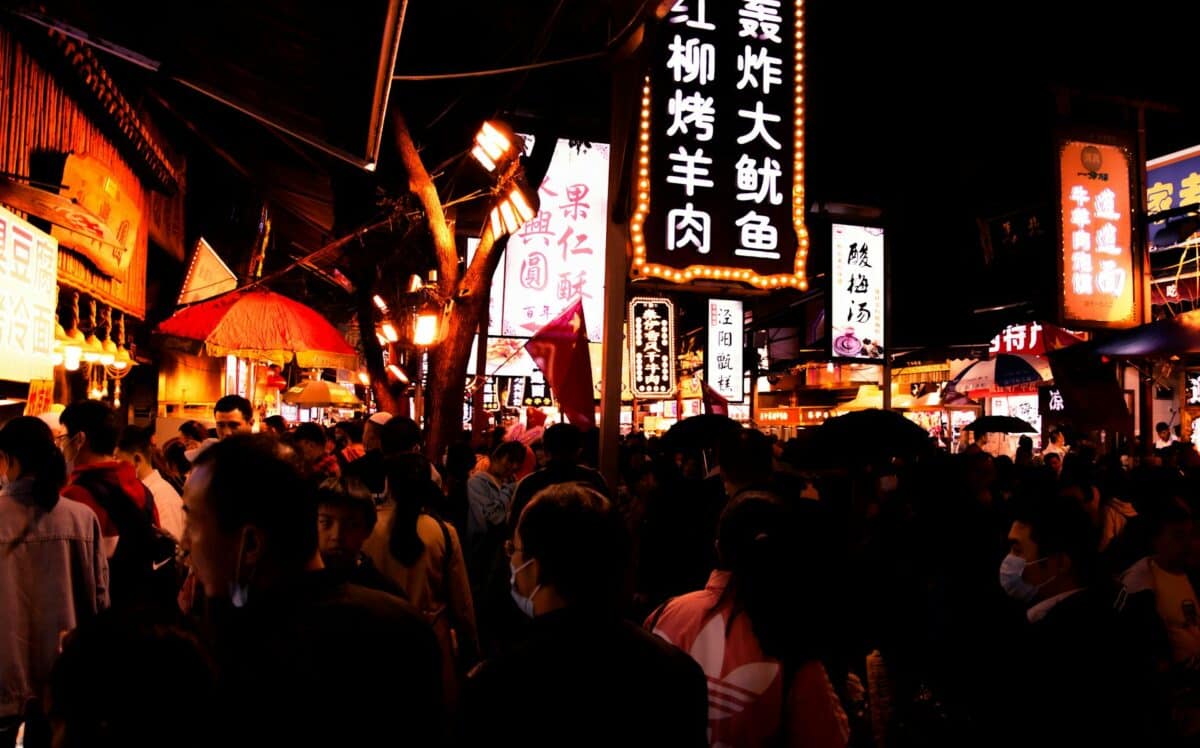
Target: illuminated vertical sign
856	299
1099	283
723	358
720	188
28	279
651	347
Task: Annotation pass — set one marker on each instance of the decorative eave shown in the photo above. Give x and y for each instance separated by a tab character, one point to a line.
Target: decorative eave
115	115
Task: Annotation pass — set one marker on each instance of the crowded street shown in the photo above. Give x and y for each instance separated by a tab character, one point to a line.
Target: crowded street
730	373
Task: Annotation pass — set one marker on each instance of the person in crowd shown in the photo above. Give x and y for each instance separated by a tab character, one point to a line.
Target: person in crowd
424	557
159	686
108	486
276	425
488	494
53	573
380	441
233	414
1070	670
1163	436
193	433
174	455
563	444
584	676
1160	603
460	458
312	453
348	436
766	683
292	642
346	517
1024	456
1054	461
1056	444
136	448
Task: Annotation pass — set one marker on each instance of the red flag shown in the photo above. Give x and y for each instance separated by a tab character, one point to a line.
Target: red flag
560	349
714	402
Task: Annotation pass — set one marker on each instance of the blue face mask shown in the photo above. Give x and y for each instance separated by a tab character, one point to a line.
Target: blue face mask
1012	570
524	603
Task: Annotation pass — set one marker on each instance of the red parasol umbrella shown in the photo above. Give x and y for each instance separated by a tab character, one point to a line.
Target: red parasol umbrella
262	325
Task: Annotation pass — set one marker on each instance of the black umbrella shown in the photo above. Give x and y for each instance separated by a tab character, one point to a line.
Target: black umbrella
700	432
1000	425
866	436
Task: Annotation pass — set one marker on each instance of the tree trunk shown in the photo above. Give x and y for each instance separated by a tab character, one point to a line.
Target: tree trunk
364	310
447	376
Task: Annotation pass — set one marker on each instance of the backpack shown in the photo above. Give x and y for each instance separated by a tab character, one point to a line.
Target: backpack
144	570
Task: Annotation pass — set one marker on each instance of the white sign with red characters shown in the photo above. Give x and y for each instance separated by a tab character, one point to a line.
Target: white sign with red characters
28	278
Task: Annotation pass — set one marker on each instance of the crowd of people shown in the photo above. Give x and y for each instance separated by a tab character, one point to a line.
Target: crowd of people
258	584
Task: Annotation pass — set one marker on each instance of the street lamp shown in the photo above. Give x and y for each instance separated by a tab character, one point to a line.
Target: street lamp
494	145
511	211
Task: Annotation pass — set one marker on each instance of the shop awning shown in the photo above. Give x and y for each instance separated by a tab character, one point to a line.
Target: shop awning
1172	336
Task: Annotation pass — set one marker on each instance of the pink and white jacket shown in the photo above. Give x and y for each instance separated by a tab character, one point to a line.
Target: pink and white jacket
745	687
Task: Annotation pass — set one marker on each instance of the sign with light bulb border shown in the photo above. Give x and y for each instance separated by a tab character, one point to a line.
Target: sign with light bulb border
720	179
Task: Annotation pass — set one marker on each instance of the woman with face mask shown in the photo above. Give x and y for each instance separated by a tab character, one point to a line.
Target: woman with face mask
53	573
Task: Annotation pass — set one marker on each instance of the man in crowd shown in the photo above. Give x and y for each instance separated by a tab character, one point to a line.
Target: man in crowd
233	415
563	443
135	447
346	516
584	676
316	462
293	643
1074	681
108	486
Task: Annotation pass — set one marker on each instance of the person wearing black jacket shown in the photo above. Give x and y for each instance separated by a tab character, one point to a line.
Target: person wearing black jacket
584	676
294	643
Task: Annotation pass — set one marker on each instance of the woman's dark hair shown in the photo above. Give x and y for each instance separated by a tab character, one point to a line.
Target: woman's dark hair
30	442
412	490
758	543
194	430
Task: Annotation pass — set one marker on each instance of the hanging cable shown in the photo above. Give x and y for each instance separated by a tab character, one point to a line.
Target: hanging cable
608	47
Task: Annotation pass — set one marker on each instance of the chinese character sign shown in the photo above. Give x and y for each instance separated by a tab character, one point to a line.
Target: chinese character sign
651	334
856	299
1099	277
1173	181
558	256
723	358
720	184
28	276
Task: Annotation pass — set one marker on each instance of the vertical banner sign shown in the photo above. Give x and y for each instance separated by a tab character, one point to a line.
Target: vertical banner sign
856	311
721	146
1099	277
723	359
28	277
652	347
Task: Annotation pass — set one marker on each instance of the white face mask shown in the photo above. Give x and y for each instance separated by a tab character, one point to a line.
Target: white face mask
524	603
1012	570
239	589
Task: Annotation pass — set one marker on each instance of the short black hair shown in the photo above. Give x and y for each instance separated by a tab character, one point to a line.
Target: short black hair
399	434
352	429
252	482
1059	524
350	494
562	441
194	430
230	403
745	457
275	422
309	432
580	543
1162	426
137	440
96	420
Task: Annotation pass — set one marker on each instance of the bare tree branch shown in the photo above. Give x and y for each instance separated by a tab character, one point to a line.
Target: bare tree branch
423	187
